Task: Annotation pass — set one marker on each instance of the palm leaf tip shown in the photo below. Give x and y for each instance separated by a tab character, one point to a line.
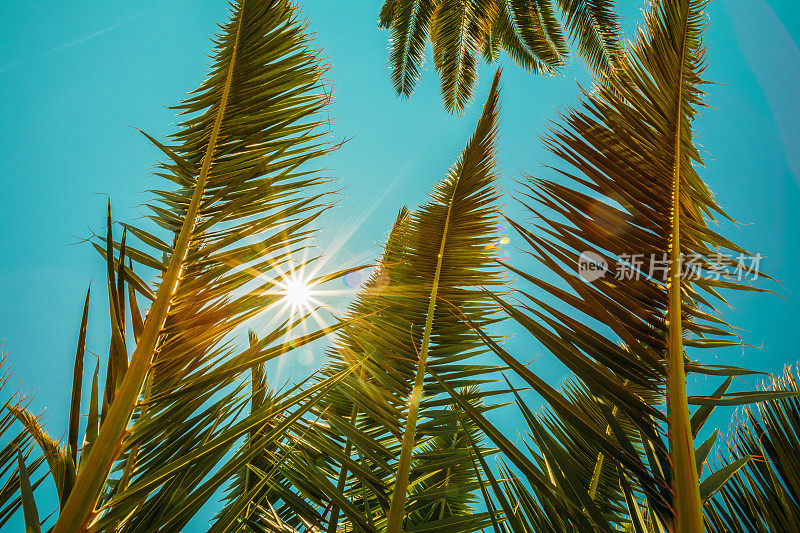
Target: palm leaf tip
456	37
409	29
594	26
30	512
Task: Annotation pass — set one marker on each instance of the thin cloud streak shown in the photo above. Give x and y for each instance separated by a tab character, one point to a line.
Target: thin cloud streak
76	42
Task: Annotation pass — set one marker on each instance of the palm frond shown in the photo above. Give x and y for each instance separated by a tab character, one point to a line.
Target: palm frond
458	26
633	191
361	459
594	26
19	462
409	22
461	31
539	30
236	223
448	267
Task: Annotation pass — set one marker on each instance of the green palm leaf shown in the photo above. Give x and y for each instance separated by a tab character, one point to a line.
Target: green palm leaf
18	463
594	27
362	460
243	164
456	37
409	24
446	259
444	495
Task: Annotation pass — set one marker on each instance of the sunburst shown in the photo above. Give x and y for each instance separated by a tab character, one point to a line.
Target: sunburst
297	292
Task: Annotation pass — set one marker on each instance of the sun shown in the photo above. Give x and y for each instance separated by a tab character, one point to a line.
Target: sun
297	292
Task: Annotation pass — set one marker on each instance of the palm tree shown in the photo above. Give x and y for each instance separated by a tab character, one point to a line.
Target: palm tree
461	31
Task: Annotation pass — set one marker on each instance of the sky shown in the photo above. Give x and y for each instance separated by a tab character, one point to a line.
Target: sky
77	77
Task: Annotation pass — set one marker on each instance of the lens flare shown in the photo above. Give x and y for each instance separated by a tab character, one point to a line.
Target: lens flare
297	293
497	243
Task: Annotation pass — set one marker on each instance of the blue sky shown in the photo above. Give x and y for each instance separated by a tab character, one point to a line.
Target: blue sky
74	76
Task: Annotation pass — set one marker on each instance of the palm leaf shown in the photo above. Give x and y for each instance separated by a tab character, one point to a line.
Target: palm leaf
594	26
633	189
444	493
242	209
456	33
764	495
360	460
446	263
30	512
60	463
409	23
18	463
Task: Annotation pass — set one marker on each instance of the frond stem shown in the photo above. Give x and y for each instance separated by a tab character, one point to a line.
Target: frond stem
687	505
397	506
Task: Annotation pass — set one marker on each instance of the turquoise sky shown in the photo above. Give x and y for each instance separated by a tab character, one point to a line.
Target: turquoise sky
75	75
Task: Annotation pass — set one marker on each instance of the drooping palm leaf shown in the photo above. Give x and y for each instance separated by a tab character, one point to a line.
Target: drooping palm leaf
409	25
461	31
594	27
60	463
